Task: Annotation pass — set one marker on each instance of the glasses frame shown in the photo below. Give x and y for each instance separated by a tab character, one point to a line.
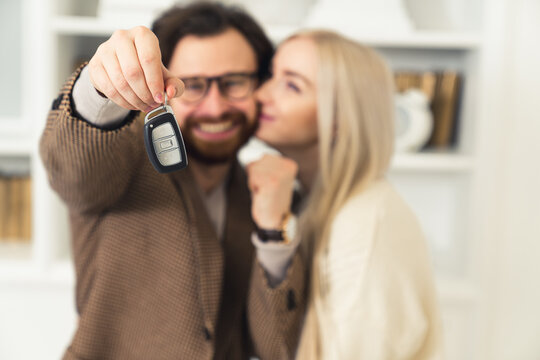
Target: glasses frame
218	79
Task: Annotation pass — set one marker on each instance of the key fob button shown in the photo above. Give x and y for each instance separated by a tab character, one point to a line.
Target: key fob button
165	144
169	157
162	131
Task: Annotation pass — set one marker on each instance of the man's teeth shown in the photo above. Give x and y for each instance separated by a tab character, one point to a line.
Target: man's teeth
216	127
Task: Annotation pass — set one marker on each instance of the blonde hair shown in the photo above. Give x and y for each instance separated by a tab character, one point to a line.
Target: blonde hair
356	136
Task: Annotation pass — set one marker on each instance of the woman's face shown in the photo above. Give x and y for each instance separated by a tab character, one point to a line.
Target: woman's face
288	118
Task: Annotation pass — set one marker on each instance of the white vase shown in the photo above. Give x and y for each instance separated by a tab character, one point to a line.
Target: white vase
414	121
276	12
357	18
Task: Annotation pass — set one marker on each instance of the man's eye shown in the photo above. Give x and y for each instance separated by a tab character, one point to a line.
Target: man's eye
194	86
234	82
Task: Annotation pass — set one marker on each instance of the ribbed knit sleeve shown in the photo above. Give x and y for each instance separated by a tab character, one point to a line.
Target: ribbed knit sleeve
90	168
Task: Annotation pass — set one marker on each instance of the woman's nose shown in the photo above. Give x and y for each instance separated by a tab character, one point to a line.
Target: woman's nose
262	94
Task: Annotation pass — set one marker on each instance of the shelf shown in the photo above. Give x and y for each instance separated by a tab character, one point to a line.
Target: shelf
415	40
16	250
22	273
92	26
15	138
432	162
426	40
16	147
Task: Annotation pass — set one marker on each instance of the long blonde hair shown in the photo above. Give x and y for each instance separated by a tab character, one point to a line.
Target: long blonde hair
356	136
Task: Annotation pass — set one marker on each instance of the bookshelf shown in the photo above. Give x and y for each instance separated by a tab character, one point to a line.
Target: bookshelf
35	274
426	162
15	147
441	186
15	144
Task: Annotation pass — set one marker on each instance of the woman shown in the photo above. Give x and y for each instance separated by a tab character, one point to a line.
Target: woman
329	109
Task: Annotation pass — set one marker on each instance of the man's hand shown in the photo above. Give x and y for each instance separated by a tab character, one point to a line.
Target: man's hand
271	181
127	69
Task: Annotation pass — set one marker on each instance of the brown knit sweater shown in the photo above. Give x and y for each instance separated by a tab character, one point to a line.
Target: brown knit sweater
153	280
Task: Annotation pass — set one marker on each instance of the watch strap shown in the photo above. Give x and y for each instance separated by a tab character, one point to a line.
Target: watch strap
279	235
266	235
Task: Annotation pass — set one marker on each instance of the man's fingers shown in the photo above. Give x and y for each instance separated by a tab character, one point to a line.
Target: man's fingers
100	80
147	47
121	84
132	71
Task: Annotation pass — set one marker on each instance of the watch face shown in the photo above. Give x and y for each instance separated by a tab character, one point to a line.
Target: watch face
290	229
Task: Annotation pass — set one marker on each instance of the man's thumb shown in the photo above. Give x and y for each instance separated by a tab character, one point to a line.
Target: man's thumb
173	85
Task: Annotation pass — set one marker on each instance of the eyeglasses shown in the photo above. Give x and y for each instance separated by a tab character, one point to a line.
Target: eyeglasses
232	86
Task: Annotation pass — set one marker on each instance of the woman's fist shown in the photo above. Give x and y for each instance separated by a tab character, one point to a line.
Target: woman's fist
271	182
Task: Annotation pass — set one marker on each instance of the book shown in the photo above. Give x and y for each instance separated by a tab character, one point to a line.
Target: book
444	108
26	215
428	82
4	202
15	208
12	213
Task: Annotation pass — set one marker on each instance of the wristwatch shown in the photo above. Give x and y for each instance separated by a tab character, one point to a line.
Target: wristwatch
284	235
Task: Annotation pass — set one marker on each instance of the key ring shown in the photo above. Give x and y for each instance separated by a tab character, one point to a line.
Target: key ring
160	109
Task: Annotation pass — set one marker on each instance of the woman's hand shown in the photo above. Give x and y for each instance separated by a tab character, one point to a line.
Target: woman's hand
271	181
127	69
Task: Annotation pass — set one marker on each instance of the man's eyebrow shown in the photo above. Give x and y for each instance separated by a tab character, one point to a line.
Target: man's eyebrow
298	75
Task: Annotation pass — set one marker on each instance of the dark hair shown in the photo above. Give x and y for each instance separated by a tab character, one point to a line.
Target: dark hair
208	19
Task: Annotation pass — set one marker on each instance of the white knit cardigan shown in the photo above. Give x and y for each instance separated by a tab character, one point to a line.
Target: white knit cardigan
381	301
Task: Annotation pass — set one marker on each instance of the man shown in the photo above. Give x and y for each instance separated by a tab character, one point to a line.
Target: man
164	263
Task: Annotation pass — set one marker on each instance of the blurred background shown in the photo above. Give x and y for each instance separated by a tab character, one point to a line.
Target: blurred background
467	161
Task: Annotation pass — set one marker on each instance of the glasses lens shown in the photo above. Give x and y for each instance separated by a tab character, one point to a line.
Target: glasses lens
195	88
236	86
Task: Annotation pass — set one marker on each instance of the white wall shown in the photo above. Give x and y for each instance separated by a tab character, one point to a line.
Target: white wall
515	275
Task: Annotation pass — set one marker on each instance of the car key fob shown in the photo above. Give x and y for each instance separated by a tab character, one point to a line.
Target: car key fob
163	140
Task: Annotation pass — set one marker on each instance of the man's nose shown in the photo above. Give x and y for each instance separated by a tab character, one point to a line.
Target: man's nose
214	104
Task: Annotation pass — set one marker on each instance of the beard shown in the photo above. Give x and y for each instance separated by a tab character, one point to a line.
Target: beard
217	152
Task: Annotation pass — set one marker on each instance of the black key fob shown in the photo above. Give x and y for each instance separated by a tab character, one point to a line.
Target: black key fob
163	140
